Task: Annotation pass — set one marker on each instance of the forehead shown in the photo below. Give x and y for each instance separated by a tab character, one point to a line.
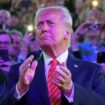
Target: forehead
4	14
49	15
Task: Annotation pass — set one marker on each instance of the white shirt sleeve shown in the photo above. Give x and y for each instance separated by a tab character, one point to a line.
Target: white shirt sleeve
71	97
17	94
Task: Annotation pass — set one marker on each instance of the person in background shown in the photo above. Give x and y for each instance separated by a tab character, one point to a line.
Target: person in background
5	61
17	39
5	47
86	40
4	19
15	22
55	77
29	44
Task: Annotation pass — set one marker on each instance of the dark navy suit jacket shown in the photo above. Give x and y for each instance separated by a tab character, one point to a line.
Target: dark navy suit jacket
89	86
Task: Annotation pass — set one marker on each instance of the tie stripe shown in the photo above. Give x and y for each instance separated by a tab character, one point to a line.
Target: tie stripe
54	91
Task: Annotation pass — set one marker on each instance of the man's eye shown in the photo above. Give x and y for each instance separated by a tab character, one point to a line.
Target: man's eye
39	25
50	23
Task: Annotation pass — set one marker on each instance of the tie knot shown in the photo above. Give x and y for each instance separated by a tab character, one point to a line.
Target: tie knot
54	62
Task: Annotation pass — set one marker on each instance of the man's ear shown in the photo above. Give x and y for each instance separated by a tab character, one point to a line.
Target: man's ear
67	35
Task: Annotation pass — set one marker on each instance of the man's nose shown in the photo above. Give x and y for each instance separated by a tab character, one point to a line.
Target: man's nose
45	27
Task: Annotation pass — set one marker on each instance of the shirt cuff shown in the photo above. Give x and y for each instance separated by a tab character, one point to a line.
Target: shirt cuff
71	97
17	94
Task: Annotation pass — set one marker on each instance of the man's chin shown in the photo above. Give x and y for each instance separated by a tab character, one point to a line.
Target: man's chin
46	45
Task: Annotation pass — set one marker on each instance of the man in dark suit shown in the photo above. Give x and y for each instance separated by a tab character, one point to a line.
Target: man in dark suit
76	82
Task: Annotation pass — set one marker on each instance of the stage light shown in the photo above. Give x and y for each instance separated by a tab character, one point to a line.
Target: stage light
30	28
95	3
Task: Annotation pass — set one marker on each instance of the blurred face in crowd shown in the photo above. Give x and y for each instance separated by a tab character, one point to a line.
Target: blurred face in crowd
4	16
14	21
5	42
51	31
93	34
16	44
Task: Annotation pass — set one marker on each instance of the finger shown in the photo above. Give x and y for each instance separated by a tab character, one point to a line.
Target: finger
65	69
62	81
34	65
27	61
28	76
24	69
54	82
59	85
61	73
32	69
30	34
30	72
65	73
59	79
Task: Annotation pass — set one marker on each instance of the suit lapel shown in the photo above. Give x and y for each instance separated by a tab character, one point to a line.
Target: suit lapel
40	80
73	66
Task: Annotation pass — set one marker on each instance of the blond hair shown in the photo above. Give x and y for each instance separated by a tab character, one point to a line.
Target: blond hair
65	16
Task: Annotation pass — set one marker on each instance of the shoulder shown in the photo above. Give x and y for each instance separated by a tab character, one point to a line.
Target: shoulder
90	67
84	64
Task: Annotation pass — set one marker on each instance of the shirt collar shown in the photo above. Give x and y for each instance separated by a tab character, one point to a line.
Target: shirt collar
62	58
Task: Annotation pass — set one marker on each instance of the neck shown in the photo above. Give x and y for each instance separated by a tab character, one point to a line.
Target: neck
54	53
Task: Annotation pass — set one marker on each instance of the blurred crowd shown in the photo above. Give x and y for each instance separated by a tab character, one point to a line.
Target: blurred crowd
16	41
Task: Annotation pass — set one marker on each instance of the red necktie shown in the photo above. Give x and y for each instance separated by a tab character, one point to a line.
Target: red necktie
54	91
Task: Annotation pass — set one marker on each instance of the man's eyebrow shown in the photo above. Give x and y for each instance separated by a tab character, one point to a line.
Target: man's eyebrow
47	20
39	22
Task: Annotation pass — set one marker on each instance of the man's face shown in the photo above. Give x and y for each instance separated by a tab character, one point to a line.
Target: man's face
93	33
50	29
4	17
14	21
16	44
5	41
93	36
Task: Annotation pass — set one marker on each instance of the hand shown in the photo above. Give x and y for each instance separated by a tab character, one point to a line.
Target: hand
27	72
64	77
26	43
78	36
27	39
82	29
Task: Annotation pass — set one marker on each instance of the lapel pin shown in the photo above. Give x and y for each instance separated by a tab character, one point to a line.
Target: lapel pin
76	66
